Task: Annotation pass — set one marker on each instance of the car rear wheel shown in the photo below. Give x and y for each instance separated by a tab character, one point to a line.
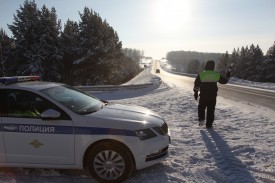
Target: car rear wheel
110	162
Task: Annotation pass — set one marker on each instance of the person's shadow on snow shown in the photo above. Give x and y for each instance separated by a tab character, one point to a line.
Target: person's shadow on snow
230	168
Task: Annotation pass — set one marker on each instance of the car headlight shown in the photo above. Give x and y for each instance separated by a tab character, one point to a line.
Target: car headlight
145	134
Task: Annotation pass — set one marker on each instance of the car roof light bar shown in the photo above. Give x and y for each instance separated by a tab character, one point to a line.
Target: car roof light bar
15	79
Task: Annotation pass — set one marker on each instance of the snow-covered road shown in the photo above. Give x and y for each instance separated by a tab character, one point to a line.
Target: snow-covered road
239	148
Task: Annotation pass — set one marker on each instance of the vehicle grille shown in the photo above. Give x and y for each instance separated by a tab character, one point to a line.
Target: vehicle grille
154	156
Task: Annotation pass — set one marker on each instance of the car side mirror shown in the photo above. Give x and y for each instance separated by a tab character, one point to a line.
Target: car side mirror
50	114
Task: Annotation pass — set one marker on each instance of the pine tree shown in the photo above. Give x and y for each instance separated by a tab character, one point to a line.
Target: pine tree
6	50
87	65
36	41
233	60
100	49
243	63
269	65
69	42
50	49
193	66
223	63
25	28
256	60
86	53
134	54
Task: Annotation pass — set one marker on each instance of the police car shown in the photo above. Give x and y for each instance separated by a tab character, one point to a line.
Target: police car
53	125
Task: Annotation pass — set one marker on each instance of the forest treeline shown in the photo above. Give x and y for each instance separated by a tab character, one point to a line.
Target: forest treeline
247	63
87	52
190	61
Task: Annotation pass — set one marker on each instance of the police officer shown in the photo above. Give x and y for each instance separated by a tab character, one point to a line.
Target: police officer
206	83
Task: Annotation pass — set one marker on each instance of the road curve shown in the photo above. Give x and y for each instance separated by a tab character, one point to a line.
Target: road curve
265	98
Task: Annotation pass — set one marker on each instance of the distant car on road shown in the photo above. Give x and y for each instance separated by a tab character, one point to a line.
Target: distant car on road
53	125
157	71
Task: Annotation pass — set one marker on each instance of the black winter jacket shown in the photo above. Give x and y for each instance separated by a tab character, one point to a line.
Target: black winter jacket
206	82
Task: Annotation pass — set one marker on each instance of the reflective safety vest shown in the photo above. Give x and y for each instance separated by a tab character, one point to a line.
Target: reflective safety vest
209	76
26	113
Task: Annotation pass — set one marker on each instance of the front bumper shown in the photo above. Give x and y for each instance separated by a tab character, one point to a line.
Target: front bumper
151	151
157	155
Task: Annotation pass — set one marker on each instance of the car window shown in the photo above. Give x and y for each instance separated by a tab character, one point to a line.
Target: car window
77	101
25	104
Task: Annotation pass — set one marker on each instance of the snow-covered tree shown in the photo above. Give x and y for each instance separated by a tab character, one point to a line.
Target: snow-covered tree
247	63
6	53
25	28
242	64
233	60
86	53
256	60
100	50
70	46
36	38
134	54
50	49
269	65
223	63
193	66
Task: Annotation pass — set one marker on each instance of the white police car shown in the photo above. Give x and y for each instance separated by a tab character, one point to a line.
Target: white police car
53	125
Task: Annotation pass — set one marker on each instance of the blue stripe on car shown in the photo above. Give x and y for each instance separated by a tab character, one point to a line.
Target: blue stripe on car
46	129
103	131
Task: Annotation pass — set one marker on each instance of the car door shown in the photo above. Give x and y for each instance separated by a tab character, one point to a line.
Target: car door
30	139
2	147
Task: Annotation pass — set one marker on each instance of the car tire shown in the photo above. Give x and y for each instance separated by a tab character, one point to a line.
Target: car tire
110	162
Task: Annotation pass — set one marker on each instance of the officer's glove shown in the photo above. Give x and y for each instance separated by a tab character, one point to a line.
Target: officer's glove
229	71
228	74
196	95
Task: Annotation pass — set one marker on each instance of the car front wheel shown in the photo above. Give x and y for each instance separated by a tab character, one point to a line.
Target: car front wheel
110	162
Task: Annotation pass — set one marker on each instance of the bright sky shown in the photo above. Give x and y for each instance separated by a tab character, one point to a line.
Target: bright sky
159	26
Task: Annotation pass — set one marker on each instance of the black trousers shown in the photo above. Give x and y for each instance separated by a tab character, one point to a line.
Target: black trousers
209	104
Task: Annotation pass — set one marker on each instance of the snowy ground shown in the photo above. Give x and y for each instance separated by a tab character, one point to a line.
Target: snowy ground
239	148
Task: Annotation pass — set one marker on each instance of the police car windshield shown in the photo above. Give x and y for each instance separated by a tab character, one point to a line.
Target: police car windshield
76	100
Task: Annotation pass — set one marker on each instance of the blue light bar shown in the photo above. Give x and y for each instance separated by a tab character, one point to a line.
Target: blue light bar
15	79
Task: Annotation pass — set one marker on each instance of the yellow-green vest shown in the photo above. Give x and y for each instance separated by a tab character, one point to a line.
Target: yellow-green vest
209	76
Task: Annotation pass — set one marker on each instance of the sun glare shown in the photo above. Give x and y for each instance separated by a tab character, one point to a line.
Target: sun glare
172	16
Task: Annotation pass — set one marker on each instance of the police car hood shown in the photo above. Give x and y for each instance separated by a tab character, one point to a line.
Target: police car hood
118	115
